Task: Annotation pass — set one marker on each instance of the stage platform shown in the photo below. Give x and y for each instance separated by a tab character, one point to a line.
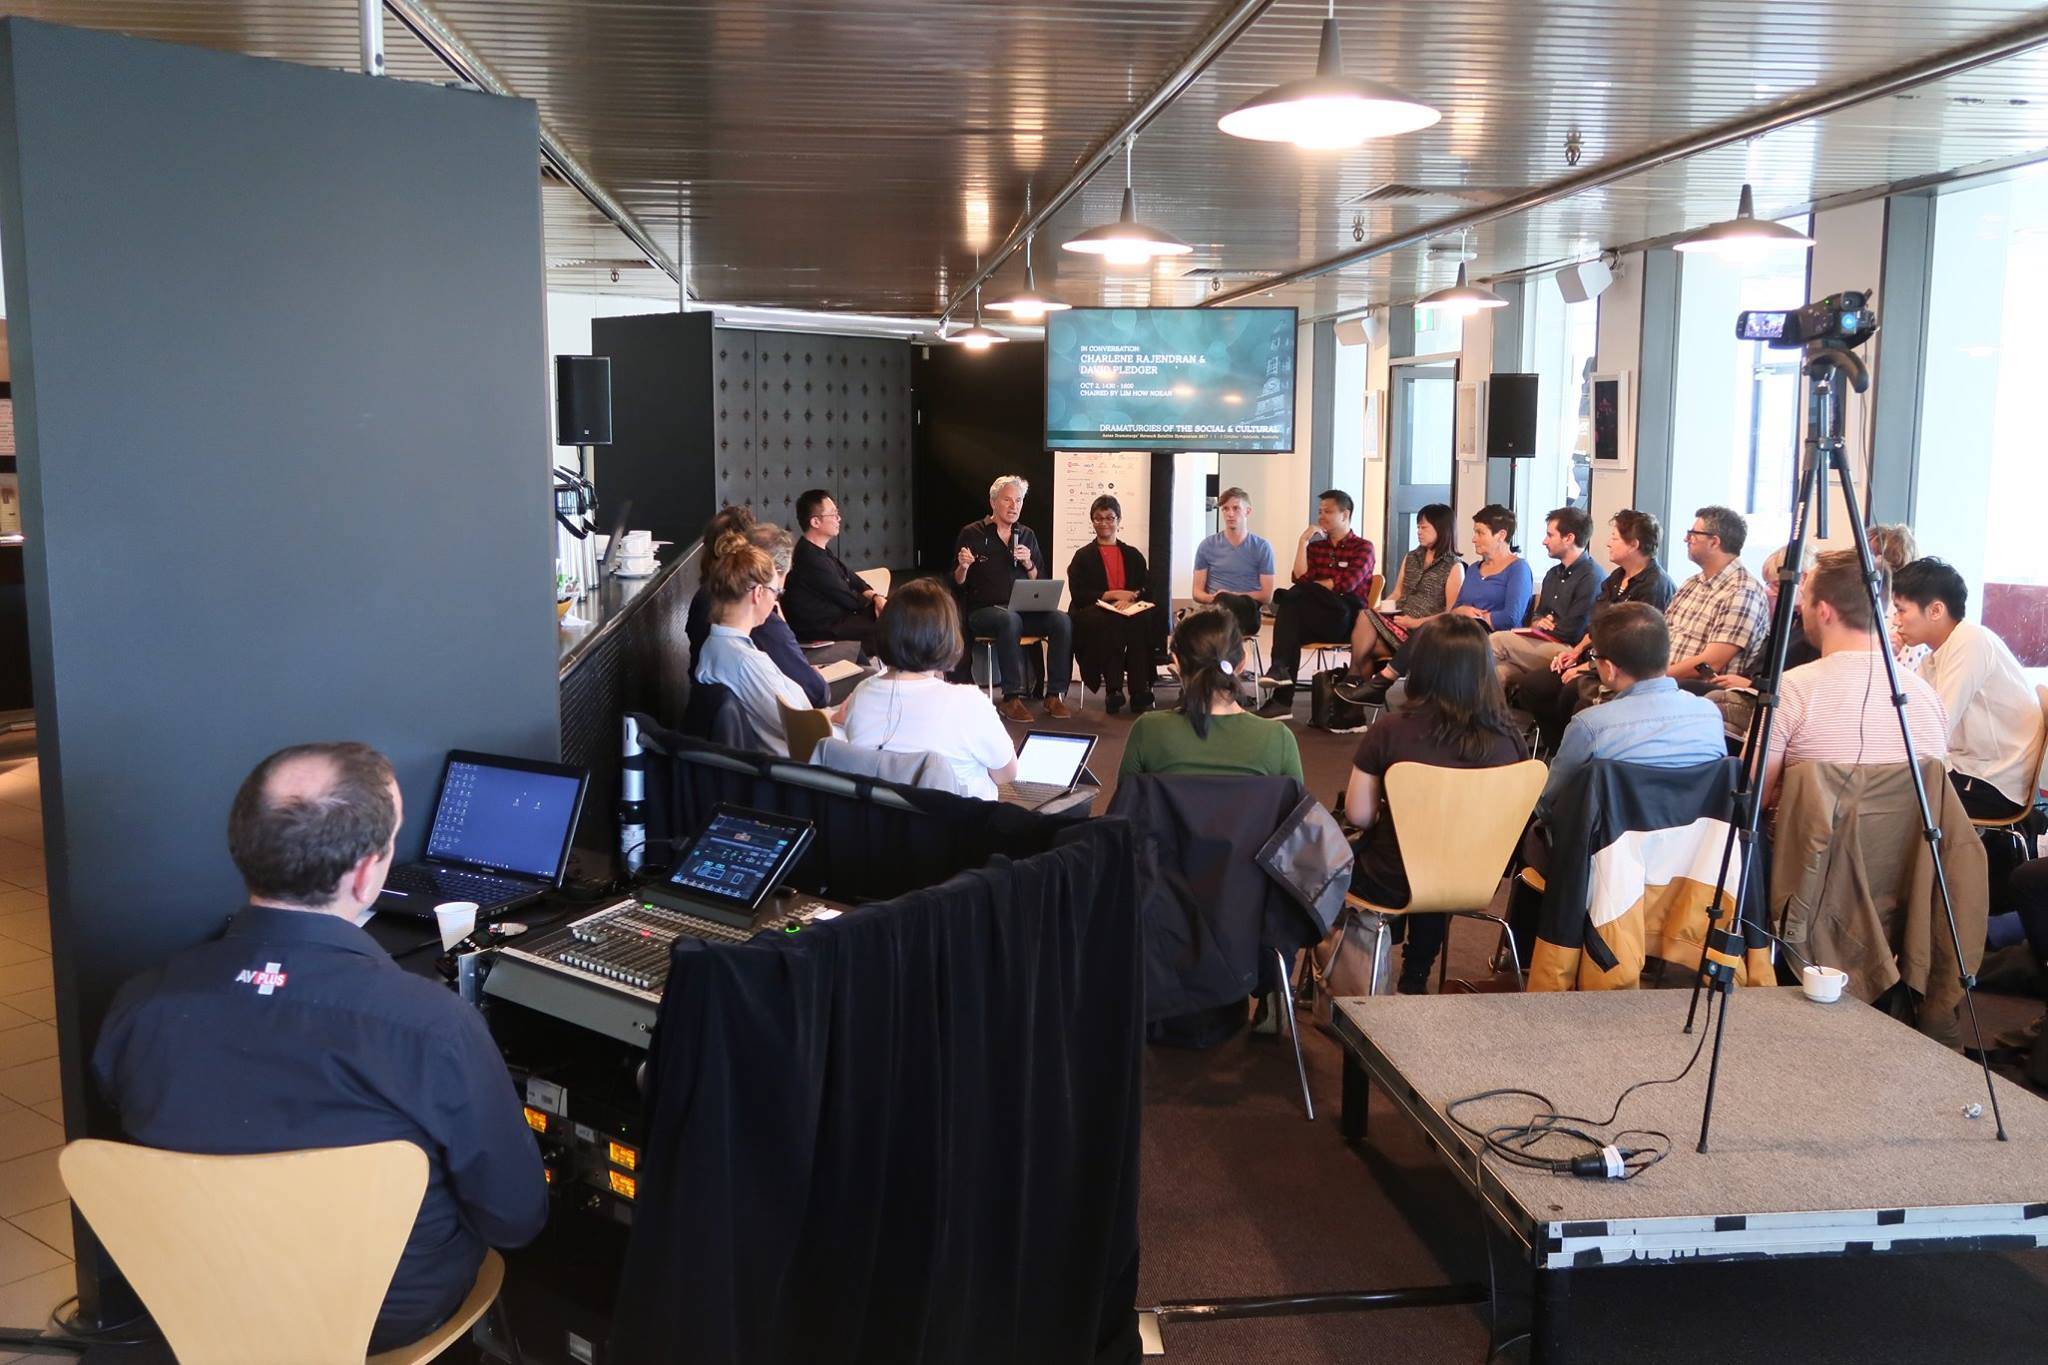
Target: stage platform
1837	1131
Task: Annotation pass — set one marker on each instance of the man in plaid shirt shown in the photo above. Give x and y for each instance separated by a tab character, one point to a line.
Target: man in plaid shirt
1720	616
1332	569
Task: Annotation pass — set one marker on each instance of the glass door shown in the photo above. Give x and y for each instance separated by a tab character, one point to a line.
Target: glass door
1425	399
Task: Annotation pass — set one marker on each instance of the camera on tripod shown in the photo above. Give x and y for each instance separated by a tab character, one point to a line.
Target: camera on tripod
1844	319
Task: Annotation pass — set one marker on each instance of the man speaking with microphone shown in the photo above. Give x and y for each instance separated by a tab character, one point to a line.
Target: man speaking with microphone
988	557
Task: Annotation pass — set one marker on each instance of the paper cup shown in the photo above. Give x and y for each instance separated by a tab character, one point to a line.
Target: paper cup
457	920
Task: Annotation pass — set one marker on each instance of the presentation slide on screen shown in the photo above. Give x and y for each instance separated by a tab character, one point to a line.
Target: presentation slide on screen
1170	379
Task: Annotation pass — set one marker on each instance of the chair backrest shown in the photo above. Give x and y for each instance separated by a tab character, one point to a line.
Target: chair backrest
250	1260
1372	592
878	579
2040	747
713	713
1458	828
931	771
803	728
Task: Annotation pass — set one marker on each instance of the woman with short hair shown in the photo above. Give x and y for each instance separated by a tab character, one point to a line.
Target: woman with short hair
910	708
1454	717
1211	732
1104	579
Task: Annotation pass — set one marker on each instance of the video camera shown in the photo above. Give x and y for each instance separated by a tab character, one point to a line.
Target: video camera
1844	319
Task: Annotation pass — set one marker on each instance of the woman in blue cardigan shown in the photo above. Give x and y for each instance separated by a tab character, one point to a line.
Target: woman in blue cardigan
1497	588
1496	593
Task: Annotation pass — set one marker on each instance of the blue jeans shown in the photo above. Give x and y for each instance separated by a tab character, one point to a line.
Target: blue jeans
1007	628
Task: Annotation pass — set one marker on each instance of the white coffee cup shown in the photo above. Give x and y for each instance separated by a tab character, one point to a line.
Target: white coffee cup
1823	985
636	544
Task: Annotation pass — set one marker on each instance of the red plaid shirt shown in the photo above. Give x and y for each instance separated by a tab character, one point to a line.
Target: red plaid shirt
1347	563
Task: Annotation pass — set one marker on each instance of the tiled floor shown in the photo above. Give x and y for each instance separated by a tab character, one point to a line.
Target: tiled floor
35	1217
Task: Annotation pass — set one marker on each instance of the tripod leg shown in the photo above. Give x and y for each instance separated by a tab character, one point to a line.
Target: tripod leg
1714	1066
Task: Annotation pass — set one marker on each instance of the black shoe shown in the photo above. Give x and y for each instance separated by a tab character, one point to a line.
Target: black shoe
1141	702
1281	703
1408	987
1363	691
1112	702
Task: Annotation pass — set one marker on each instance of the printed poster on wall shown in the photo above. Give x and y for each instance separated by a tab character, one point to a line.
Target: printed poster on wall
1079	478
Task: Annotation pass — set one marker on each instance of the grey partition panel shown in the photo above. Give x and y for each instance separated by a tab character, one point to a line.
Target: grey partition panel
276	335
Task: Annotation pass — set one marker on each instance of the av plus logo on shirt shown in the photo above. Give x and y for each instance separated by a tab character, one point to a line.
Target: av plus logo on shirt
267	982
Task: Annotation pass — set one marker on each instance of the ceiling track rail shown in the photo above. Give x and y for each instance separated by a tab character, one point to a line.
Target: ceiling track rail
2006	42
1234	20
455	52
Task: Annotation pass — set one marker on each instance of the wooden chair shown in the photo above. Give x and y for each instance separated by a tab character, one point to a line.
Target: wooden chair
803	728
876	579
987	644
252	1260
2011	823
1459	827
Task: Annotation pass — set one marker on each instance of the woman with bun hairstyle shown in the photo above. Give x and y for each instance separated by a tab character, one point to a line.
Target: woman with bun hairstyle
1210	733
744	587
773	636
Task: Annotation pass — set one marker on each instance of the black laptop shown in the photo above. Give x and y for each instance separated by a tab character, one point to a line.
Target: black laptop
500	836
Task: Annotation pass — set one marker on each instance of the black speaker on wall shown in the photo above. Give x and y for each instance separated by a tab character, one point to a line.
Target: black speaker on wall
583	400
1511	417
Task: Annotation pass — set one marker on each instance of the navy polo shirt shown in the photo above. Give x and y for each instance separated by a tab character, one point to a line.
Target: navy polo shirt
296	1030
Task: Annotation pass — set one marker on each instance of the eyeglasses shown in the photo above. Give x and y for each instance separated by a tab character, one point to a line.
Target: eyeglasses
1700	535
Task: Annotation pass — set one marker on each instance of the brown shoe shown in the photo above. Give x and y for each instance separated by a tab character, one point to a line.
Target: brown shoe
1056	707
1013	709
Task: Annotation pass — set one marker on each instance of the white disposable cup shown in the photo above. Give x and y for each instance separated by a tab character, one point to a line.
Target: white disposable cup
457	921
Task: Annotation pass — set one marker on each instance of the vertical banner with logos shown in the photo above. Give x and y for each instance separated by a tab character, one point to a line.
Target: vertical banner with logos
1079	478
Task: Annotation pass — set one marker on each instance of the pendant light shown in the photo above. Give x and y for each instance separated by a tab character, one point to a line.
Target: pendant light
1329	110
1745	236
1462	299
1127	241
977	337
1029	306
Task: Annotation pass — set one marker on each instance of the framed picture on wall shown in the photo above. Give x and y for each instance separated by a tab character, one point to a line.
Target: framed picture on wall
1470	412
1613	432
1375	425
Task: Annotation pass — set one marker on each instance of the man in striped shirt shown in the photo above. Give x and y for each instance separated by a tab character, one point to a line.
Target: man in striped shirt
1838	709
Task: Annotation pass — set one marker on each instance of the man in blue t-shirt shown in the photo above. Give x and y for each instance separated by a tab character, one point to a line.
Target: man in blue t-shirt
1234	568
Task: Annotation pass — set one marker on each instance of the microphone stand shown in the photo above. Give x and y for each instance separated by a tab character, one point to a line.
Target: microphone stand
1828	362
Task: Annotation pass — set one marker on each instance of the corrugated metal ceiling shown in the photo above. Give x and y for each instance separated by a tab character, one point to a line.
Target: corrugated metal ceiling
858	153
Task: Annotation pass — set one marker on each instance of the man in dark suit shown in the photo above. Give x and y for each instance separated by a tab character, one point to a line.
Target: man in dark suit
823	599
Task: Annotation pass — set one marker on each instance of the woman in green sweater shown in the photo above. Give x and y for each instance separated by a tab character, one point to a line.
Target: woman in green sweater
1210	733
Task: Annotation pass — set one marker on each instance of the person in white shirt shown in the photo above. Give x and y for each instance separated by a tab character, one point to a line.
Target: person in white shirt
910	708
744	587
1994	716
1838	709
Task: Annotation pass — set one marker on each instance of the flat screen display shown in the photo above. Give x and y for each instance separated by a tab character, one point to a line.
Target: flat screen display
1170	379
740	857
505	814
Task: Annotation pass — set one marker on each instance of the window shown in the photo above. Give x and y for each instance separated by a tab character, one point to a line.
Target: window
1557	347
1981	481
1736	419
1438	331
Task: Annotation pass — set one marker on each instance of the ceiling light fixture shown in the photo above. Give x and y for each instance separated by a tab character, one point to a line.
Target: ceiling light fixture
1328	111
1029	306
977	337
1462	299
1745	236
1127	241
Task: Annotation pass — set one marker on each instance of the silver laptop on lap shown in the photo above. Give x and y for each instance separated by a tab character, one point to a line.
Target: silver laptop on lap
1049	764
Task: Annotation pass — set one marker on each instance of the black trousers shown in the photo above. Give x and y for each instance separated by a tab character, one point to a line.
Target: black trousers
1115	651
861	627
1552	702
1304	614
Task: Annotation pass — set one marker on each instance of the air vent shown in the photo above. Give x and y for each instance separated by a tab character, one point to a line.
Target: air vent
1432	196
1217	272
598	263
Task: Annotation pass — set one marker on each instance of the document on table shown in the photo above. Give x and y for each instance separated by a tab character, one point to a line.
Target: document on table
840	669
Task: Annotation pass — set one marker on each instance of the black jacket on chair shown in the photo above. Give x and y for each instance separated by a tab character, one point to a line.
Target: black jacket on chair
1212	915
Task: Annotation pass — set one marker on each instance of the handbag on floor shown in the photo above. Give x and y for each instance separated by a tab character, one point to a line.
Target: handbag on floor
1327	710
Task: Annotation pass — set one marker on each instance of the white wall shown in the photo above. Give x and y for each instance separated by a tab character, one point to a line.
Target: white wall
1475	365
1191	471
1848	253
1372	507
1620	350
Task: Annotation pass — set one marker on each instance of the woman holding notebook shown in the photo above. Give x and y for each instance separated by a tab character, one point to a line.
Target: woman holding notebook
1115	629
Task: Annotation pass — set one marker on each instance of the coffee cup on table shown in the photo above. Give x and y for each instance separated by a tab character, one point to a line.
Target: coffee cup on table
1823	985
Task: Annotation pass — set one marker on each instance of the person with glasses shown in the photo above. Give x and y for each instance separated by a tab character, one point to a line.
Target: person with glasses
773	636
1720	618
745	586
823	599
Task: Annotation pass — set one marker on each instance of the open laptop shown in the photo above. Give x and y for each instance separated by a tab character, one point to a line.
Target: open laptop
1049	764
1036	594
500	836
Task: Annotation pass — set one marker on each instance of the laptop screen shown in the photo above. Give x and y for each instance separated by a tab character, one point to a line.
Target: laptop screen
510	816
1053	759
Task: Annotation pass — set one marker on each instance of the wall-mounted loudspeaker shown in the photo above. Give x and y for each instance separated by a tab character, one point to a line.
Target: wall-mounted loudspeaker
1351	333
1583	281
583	400
1511	416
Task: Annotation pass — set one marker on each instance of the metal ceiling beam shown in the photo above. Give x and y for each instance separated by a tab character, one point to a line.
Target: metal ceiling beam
465	61
1234	20
2010	41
